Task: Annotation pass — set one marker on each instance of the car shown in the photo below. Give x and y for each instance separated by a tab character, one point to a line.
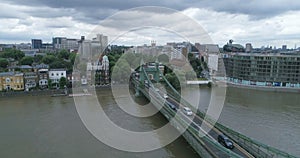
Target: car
187	111
172	106
166	96
225	141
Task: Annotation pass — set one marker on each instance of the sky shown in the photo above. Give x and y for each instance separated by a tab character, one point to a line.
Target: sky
137	22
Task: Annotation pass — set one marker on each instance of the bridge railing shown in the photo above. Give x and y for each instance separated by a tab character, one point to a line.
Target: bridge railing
197	134
200	137
253	146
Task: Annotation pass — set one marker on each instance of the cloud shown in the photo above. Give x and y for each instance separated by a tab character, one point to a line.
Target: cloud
223	26
257	9
261	23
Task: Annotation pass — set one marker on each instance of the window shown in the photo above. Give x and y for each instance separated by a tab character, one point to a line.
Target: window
56	74
52	74
62	74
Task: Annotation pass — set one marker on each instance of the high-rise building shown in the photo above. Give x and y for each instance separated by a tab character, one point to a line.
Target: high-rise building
36	43
248	47
91	48
65	43
103	40
284	47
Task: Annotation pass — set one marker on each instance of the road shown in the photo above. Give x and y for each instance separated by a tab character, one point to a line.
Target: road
200	124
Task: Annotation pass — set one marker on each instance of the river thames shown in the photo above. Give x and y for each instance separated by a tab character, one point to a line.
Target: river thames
50	126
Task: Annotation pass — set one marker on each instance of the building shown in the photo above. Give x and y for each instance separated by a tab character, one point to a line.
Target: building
43	77
55	75
103	40
206	49
29	52
30	80
263	69
86	49
65	43
284	47
37	67
36	43
101	69
91	48
248	47
26	68
11	81
213	62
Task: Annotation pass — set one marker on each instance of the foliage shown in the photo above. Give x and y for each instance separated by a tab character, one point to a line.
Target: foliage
195	63
48	59
121	71
38	58
3	63
63	54
62	82
12	53
50	85
163	58
72	57
173	80
27	60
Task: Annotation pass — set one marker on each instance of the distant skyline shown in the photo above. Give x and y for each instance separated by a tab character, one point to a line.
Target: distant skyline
262	23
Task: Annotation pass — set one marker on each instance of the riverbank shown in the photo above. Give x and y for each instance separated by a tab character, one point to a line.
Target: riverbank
49	92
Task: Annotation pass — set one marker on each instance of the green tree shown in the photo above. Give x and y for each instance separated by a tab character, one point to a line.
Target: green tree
50	84
163	58
3	63
121	71
48	59
27	60
72	57
62	82
38	58
12	53
173	80
63	54
18	55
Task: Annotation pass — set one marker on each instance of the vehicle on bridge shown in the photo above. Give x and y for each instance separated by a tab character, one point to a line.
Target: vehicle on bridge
166	96
225	141
172	106
187	111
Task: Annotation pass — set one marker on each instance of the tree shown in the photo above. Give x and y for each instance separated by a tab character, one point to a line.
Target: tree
27	60
62	82
3	63
163	58
18	55
63	54
38	58
72	58
121	71
173	80
50	85
47	59
12	53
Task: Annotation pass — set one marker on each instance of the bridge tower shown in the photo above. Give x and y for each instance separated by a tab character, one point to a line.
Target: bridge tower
147	71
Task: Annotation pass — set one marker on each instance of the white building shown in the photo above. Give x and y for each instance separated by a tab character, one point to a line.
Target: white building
56	74
213	60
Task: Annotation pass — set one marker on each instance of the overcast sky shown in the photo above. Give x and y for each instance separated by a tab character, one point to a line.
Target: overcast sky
268	22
